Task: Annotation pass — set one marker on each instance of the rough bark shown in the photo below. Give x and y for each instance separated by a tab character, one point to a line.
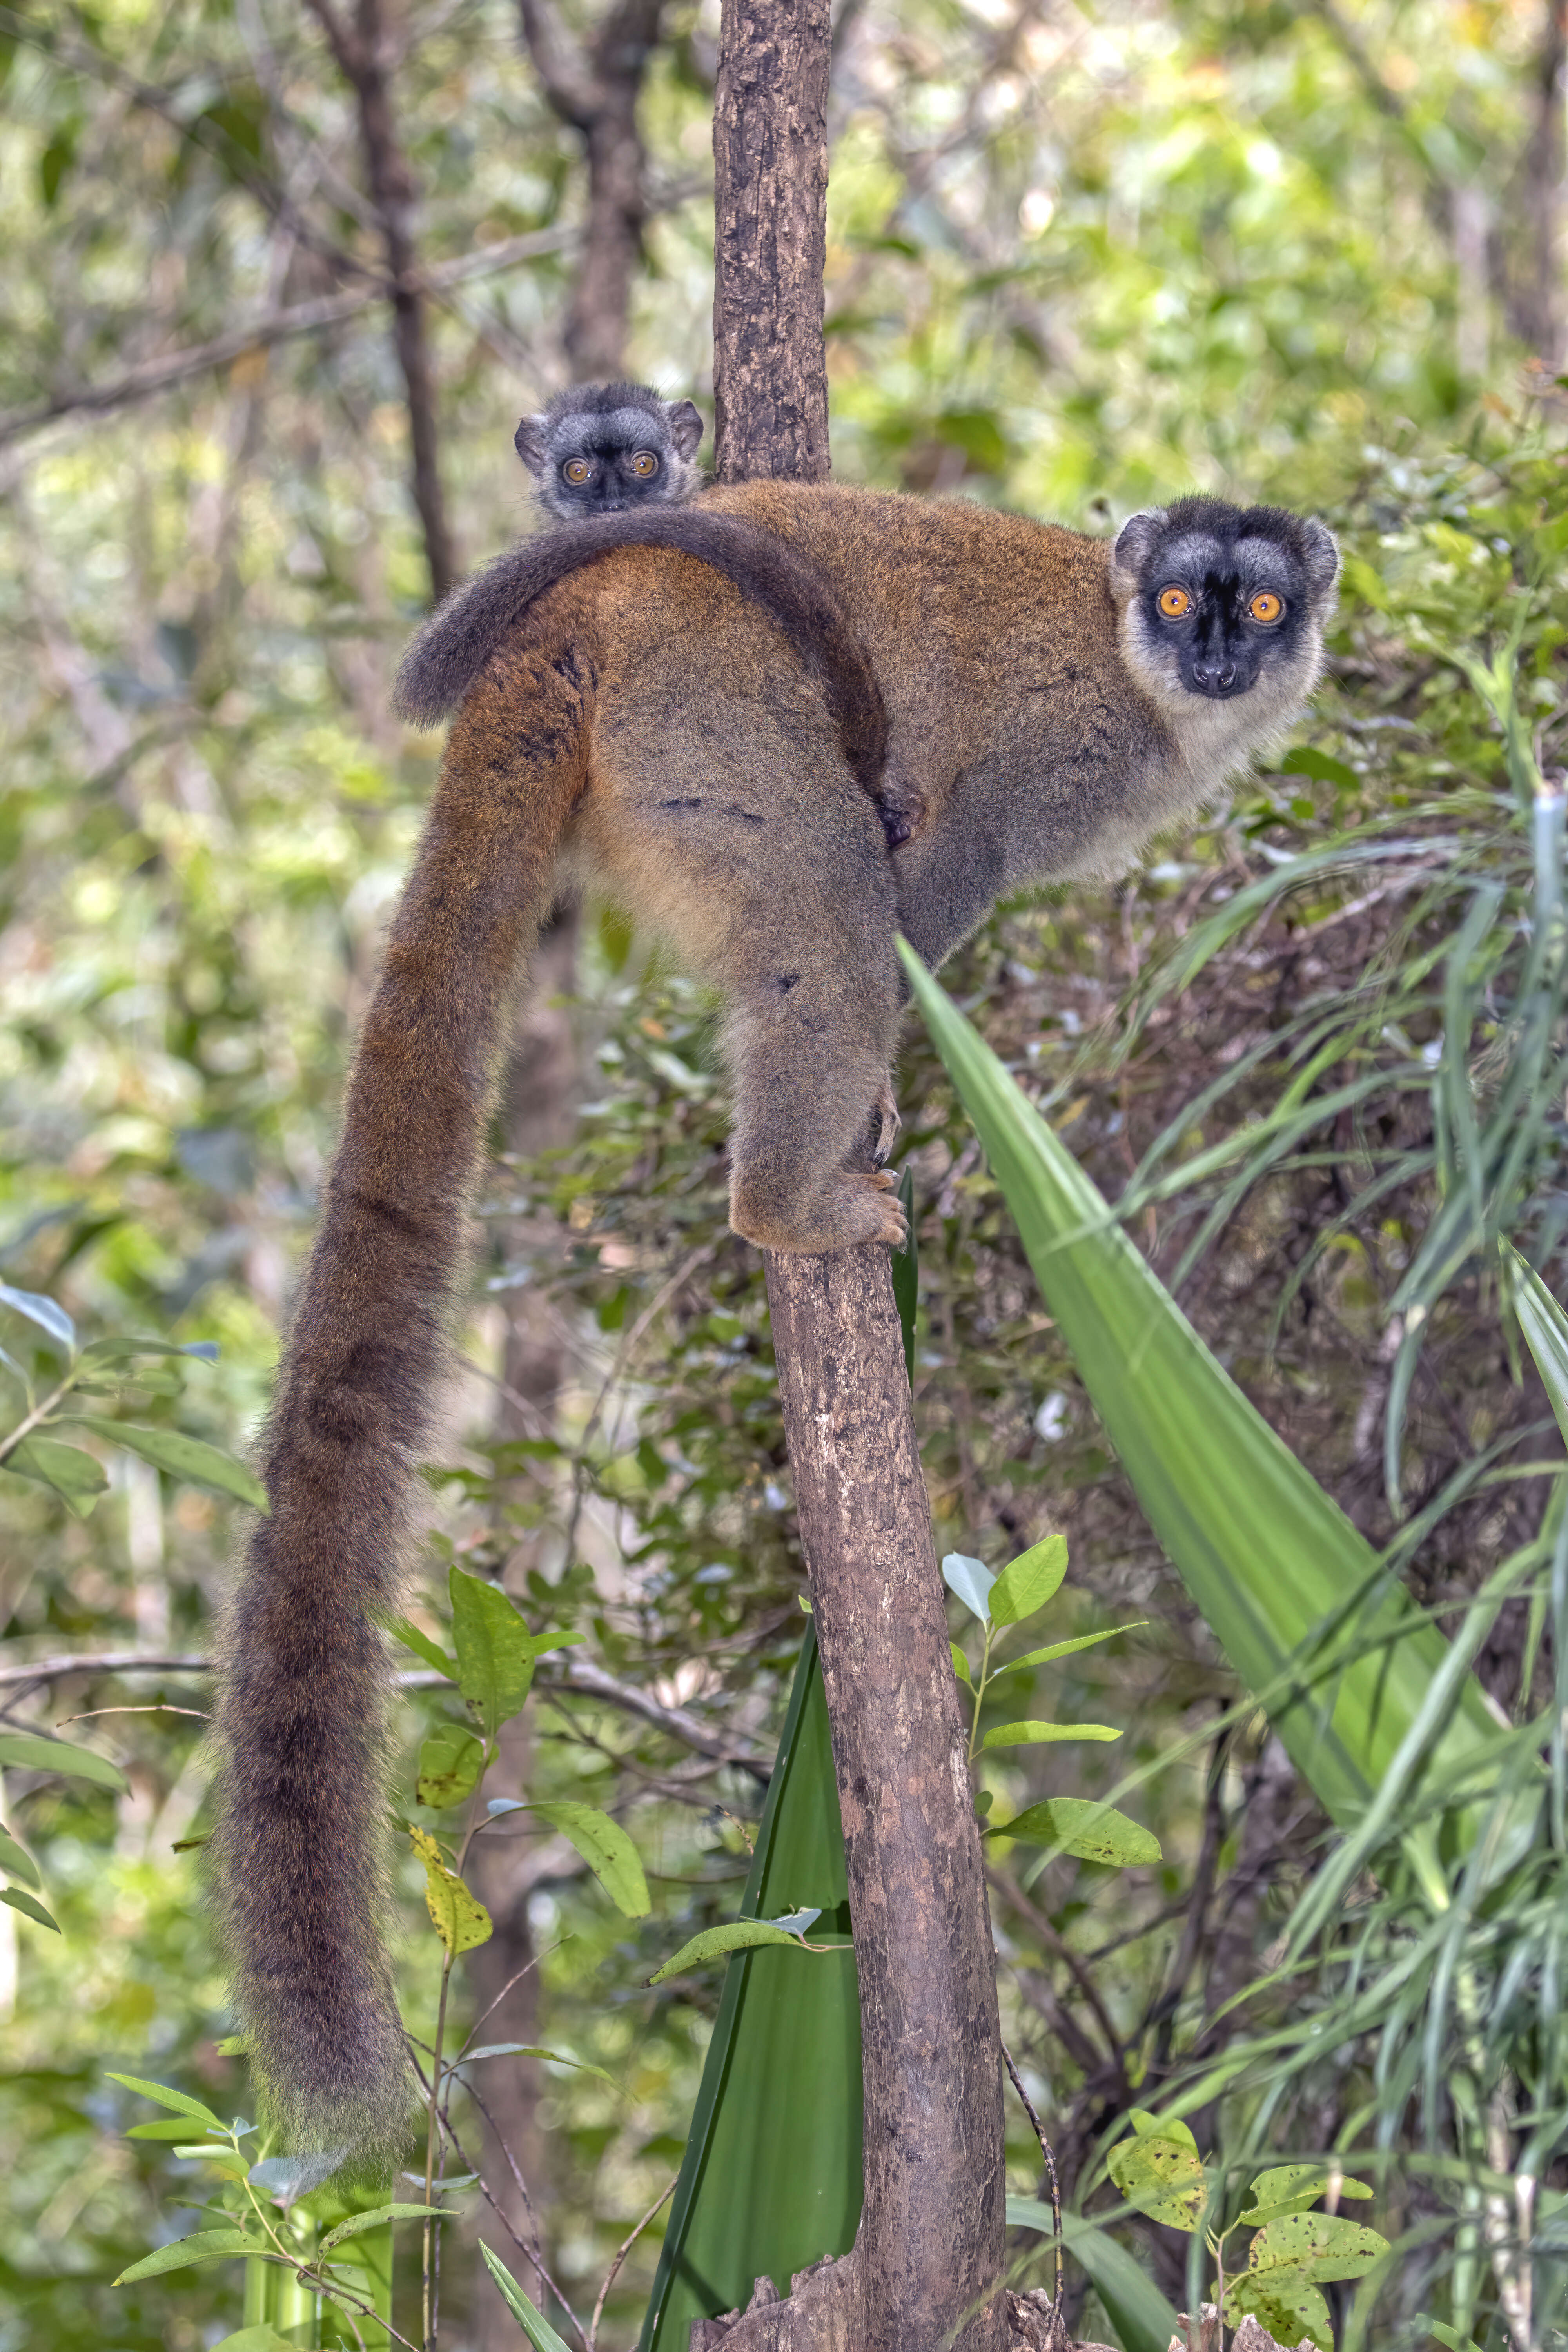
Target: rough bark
362	52
930	2252
770	215
594	89
1537	303
926	2267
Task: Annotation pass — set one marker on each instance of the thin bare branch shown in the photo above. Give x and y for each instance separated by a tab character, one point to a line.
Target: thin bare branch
159	375
568	1674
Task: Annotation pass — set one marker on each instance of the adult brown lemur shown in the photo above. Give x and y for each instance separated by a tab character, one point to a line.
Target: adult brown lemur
721	716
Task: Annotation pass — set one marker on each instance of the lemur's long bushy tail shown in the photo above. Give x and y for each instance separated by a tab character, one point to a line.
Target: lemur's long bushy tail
299	1853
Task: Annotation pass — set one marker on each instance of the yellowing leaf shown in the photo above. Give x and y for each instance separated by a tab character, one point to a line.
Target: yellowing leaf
450	1762
459	1917
1162	2177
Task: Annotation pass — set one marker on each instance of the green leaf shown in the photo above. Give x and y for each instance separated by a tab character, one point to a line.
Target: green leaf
736	1935
34	1749
1268	1556
43	1312
402	1629
203	2246
1134	2306
1036	1735
1303	760
187	1459
972	1581
19	1862
120	1350
771	2174
906	1270
961	1665
1093	1832
450	1762
1027	1583
222	2154
534	2325
459	1917
607	1850
166	2127
375	2219
1545	1328
1160	2177
76	1476
179	2100
495	1650
263	2339
1065	1649
532	2050
28	1905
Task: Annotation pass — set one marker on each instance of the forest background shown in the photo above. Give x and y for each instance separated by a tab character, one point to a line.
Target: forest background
277	284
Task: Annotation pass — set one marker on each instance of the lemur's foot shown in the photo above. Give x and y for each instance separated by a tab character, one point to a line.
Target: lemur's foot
851	1209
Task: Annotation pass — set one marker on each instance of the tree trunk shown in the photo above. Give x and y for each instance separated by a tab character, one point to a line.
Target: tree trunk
362	55
596	90
1538	302
926	2267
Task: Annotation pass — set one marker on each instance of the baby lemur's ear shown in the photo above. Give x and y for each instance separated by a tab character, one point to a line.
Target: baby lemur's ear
1320	555
528	441
1134	544
685	425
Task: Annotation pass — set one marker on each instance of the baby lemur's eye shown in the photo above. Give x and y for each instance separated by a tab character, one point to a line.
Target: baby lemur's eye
1174	603
644	463
576	469
1265	607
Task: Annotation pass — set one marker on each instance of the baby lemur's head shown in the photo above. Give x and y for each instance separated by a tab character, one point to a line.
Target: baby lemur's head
600	448
1225	604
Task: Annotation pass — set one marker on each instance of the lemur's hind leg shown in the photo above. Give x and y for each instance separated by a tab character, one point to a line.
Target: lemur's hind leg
809	1045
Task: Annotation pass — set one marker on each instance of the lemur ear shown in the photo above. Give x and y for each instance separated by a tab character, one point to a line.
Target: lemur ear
1320	555
1134	541
685	425
528	441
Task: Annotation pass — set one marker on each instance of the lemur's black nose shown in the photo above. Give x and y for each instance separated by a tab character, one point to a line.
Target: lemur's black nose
1214	677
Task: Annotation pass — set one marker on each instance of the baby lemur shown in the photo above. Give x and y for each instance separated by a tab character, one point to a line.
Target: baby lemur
711	715
603	448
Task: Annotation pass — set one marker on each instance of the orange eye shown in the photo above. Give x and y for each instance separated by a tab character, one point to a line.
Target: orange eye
576	469
644	463
1174	603
1265	607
